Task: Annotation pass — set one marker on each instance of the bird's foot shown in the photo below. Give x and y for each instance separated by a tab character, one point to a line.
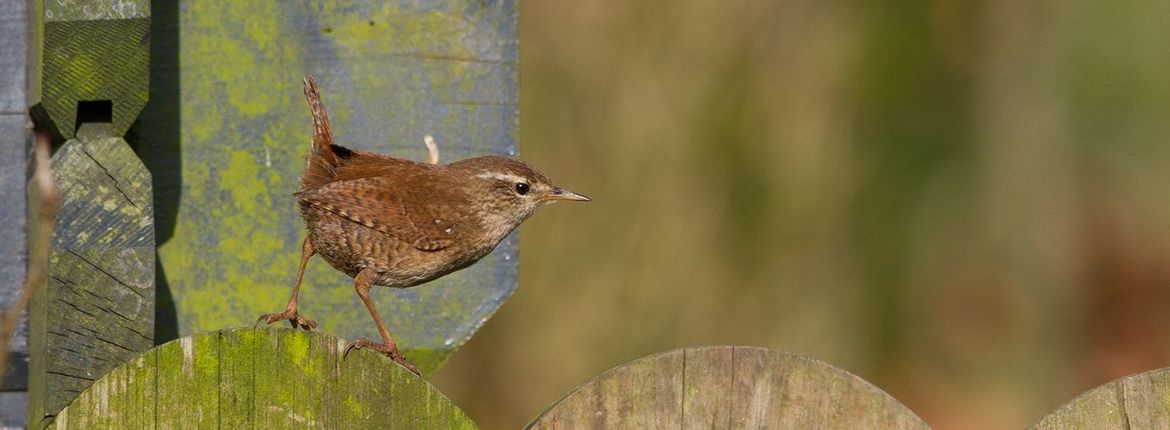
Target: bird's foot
289	315
390	351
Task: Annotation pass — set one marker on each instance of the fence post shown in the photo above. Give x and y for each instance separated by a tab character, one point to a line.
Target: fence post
261	378
96	309
1137	401
725	387
14	155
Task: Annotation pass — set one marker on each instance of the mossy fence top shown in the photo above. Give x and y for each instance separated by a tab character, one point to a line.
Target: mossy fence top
281	378
260	378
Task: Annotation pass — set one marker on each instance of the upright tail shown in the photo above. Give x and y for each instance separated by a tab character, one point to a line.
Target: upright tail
322	161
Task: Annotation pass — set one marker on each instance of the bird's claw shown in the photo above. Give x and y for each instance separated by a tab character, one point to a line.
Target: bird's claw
290	315
390	351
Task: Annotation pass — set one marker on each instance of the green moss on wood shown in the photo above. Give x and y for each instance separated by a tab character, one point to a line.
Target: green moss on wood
264	378
390	73
95	60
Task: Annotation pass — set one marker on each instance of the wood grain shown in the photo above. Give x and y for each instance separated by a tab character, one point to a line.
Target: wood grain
14	155
1140	401
93	50
97	309
260	378
727	387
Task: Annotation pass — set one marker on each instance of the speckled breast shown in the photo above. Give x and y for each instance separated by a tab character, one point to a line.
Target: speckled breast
350	248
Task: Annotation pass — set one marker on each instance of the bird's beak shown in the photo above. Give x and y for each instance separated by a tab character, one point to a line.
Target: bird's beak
563	194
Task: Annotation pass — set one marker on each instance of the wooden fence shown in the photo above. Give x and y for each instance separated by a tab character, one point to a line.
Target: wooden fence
727	387
14	144
178	216
282	378
260	378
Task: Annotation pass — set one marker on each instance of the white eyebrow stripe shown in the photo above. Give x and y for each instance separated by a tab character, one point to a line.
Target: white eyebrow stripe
501	176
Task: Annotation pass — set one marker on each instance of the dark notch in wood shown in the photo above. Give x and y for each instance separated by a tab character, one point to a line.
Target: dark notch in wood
100	111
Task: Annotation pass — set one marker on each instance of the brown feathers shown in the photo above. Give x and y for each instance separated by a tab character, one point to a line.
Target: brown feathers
407	220
376	203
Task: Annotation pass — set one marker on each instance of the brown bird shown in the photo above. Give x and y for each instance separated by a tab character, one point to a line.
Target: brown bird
399	223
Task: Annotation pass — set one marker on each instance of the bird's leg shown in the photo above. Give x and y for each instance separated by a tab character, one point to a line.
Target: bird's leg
362	283
290	313
432	149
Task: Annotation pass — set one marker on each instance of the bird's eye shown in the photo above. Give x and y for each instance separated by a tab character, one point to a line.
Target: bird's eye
521	188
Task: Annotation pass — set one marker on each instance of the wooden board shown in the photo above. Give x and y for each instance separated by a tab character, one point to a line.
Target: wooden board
227	127
14	155
14	23
13	259
1139	401
727	387
264	378
97	309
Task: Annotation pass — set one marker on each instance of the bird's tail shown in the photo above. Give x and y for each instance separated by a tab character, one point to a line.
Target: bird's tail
322	161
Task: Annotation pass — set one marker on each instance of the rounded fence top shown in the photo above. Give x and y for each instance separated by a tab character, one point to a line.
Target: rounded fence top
727	387
1140	401
260	378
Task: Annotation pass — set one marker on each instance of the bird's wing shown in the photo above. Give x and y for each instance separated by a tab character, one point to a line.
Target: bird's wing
376	203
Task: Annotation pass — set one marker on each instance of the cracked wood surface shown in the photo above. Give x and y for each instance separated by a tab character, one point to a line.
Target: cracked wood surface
260	378
1140	401
97	310
727	387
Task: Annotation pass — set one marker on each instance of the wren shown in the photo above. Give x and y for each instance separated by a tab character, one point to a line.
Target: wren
399	223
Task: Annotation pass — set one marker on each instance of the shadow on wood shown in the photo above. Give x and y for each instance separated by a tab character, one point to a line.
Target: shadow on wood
1140	401
727	387
260	378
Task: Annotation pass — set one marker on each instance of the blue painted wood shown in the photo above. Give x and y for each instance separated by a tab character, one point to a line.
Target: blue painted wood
227	127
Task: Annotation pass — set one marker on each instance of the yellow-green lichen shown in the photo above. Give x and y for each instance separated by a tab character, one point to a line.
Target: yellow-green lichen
390	71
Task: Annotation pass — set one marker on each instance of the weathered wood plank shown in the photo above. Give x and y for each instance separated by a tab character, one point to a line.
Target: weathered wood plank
90	51
119	402
265	378
727	387
14	155
390	73
13	168
704	369
1139	401
97	309
14	31
237	359
88	10
191	365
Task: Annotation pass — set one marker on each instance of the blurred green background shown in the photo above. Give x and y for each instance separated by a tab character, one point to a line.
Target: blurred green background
965	203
